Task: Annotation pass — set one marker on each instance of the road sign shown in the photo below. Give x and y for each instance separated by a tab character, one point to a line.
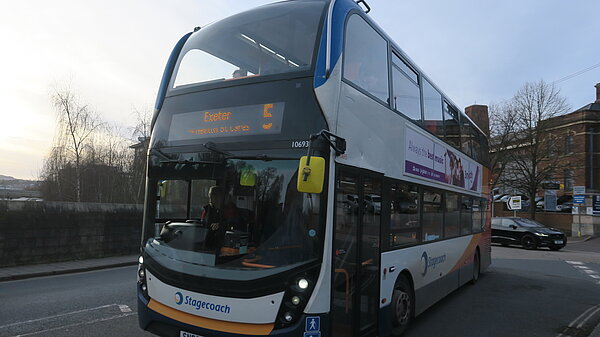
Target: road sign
550	200
551	185
579	199
596	204
514	203
578	190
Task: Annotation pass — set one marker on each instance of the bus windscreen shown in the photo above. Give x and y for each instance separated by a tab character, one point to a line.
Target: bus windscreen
254	119
272	39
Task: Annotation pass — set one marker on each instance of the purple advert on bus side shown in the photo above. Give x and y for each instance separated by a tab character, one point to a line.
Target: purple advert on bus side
431	160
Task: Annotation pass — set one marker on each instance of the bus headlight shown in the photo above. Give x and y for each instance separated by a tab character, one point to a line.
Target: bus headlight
302	284
141	277
299	289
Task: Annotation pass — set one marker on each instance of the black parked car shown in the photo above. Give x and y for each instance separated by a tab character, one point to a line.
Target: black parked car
525	232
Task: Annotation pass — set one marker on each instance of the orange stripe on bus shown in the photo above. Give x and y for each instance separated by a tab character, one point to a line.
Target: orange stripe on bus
468	253
212	324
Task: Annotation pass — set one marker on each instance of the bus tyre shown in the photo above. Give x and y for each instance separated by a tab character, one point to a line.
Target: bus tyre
529	242
476	267
403	304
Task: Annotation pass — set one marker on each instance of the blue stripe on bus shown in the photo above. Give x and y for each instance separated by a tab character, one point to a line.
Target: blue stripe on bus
164	83
340	11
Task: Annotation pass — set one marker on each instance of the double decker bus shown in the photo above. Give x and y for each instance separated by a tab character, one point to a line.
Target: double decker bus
305	178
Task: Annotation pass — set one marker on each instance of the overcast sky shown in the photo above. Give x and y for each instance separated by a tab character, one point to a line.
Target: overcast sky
113	54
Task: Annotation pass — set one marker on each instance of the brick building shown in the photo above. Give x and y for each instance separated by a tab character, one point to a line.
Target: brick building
575	139
570	144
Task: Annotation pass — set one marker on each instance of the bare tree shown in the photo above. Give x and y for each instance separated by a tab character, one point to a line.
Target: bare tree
531	160
143	119
502	136
141	134
76	123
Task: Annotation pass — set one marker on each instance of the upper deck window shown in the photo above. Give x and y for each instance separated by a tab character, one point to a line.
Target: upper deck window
407	96
272	39
365	60
432	106
451	126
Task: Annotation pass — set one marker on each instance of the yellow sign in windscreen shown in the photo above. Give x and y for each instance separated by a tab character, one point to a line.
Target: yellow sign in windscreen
255	119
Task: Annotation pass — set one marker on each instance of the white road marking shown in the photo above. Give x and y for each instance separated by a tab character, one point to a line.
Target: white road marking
56	316
593	309
124	308
584	269
77	324
587	318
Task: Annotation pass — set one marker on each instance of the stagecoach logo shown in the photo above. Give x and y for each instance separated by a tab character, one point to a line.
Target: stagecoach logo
430	262
199	304
178	298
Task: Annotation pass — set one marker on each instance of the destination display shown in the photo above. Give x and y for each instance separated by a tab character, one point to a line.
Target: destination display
255	119
430	160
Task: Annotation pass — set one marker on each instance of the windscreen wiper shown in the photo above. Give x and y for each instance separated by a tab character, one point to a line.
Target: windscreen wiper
162	155
212	147
262	157
167	160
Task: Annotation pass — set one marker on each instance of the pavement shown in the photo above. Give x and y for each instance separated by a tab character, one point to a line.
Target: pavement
47	269
575	239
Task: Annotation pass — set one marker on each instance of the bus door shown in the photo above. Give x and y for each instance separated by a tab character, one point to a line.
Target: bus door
355	288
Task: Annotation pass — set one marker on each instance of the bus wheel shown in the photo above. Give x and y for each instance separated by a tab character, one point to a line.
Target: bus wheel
403	304
476	267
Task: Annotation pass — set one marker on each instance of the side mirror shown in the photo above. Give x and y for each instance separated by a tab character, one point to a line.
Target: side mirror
513	226
311	175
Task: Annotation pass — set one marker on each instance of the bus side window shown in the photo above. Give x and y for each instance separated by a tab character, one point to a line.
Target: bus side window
404	214
466	217
365	58
433	215
452	216
451	126
432	107
406	97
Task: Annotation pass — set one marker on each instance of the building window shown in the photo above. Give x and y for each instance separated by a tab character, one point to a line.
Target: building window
568	144
551	144
568	179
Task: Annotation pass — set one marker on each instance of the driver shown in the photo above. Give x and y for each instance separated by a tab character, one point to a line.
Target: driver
218	216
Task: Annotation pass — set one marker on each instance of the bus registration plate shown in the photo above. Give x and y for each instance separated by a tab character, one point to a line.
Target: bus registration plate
188	334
